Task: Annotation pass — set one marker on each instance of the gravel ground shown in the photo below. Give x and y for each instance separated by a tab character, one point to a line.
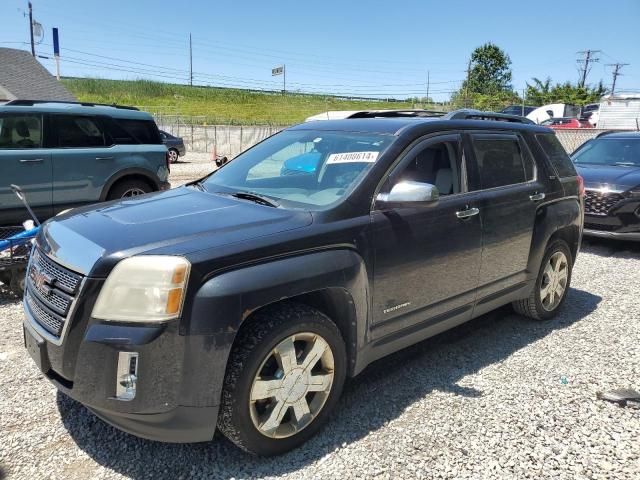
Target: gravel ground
500	397
190	167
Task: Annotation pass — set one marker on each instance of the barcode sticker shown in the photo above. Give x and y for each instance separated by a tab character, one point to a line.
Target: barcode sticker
352	157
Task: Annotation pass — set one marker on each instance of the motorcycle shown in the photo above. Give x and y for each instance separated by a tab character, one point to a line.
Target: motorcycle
15	247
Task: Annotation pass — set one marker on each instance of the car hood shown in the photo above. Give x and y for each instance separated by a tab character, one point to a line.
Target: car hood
611	176
91	240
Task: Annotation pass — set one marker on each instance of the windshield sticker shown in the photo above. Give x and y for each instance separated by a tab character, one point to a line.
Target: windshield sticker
352	157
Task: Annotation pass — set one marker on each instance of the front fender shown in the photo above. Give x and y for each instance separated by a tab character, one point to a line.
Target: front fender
223	302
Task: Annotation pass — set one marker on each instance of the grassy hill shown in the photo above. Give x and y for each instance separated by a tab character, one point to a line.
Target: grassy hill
216	105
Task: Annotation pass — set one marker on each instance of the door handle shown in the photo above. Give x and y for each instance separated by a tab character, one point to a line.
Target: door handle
470	212
104	158
31	160
536	197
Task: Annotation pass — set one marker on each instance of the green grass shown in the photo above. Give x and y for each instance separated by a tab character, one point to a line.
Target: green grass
216	105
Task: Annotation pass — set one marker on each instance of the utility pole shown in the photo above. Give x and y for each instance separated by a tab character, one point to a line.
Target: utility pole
190	62
284	79
588	58
33	46
427	86
616	74
466	88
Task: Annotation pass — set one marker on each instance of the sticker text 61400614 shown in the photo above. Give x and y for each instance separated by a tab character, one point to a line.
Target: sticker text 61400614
351	157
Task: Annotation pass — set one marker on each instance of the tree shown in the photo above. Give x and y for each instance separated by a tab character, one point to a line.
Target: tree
544	93
489	72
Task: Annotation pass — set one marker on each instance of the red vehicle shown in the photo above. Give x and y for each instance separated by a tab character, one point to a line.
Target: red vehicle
566	122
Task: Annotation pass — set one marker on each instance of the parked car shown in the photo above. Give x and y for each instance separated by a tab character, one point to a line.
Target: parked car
566	122
242	301
175	146
610	165
66	154
520	110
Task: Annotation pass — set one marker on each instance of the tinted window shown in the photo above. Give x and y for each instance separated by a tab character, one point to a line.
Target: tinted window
78	131
609	151
438	164
143	131
499	161
557	155
20	131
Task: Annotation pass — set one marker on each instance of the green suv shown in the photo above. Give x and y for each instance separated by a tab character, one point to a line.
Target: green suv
66	154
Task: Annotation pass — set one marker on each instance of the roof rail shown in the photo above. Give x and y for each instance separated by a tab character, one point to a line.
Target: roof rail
397	113
469	114
27	103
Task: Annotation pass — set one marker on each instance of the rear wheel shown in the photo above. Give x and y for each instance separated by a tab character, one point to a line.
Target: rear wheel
128	188
551	286
5	277
284	376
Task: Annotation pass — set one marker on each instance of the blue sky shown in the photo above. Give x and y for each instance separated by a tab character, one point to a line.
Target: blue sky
360	48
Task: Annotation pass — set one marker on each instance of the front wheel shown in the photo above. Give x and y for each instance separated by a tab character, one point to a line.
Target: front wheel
551	286
284	377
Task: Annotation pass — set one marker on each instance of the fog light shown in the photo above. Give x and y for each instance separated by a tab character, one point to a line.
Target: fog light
127	375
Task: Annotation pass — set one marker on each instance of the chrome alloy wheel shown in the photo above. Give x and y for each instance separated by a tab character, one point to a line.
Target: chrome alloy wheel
554	281
292	385
133	192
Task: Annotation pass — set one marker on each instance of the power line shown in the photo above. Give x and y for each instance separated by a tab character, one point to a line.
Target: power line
588	58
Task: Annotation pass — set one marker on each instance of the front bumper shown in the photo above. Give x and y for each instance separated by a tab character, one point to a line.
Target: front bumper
178	387
632	236
164	186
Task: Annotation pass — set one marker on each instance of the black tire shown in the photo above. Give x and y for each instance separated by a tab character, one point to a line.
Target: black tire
252	347
176	155
532	306
17	282
5	277
123	188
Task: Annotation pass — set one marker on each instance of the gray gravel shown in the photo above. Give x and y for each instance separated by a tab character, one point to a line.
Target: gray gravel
190	167
500	397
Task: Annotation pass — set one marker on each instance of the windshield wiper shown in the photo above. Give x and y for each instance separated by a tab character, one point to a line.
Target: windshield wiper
254	197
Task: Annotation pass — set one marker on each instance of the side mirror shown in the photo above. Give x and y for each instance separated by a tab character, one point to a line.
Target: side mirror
410	192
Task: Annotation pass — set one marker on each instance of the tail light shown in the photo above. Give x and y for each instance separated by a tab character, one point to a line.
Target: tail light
167	161
580	186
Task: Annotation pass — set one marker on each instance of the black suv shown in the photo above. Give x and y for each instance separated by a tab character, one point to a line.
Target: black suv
243	301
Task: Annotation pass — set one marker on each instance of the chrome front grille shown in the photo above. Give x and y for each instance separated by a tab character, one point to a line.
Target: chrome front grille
599	203
52	323
50	292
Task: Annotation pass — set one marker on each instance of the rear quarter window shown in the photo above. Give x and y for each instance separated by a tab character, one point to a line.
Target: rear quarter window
143	131
557	155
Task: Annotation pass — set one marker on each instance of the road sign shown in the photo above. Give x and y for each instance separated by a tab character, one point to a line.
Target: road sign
277	71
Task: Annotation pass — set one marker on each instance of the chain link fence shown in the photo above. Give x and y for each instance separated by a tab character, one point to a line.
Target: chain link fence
230	140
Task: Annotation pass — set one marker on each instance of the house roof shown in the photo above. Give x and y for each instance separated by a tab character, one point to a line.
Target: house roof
23	77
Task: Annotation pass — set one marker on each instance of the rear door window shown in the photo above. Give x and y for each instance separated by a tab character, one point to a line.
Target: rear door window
20	131
500	160
557	155
77	131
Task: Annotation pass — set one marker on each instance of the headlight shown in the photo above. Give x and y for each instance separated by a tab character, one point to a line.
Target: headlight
148	288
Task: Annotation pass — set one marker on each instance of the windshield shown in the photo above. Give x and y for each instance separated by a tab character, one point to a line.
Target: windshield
303	168
618	151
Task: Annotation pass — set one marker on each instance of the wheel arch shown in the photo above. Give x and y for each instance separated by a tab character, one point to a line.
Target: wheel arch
562	220
333	282
129	174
